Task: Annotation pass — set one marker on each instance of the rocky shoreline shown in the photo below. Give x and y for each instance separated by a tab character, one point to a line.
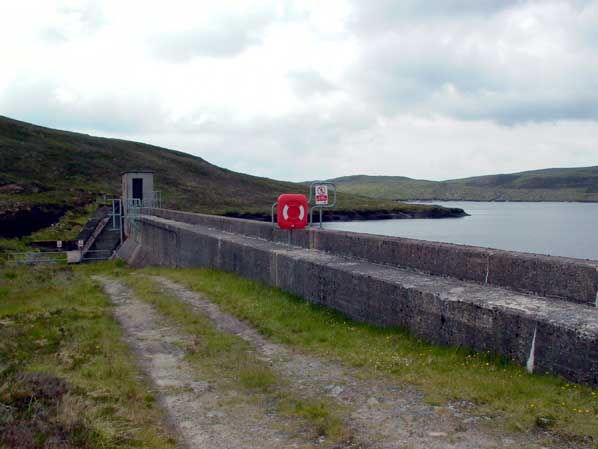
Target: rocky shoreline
24	222
364	215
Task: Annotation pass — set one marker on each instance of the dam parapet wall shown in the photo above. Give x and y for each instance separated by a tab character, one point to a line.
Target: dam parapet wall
574	280
547	334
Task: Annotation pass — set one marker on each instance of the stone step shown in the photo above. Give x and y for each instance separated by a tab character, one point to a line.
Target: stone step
106	243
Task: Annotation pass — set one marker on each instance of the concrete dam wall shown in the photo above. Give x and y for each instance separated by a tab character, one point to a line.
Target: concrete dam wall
539	311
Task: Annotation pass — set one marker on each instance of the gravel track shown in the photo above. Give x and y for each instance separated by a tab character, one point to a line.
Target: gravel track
201	416
382	415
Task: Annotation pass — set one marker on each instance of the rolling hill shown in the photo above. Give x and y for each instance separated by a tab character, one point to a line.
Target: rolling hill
552	184
45	172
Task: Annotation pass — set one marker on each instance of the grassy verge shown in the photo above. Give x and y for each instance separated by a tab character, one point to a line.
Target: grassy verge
66	377
10	245
230	362
496	387
67	228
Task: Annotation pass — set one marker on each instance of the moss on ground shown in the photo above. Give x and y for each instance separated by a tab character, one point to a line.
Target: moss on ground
67	228
230	362
56	322
495	386
56	328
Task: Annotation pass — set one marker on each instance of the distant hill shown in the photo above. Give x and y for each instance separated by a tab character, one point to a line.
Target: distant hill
45	172
552	184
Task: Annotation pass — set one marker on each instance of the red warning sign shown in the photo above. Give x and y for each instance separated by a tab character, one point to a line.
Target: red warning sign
321	194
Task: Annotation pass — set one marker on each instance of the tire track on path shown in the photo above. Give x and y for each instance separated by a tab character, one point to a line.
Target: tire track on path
201	416
382	415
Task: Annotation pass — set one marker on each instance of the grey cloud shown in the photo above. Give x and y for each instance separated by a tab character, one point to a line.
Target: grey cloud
418	68
587	28
384	14
474	91
306	83
523	107
289	145
478	70
214	41
221	37
410	74
53	35
83	19
37	102
299	129
89	13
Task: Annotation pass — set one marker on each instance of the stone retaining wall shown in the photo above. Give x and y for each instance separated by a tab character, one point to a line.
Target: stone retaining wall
438	309
574	280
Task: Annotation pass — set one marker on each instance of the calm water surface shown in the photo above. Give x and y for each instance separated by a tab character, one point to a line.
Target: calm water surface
558	229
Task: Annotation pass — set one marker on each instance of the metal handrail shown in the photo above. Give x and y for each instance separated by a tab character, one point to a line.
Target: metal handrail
50	257
273	207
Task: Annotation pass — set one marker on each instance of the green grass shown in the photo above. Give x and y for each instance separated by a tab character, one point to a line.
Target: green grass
553	184
496	387
67	228
230	362
12	245
14	252
53	167
57	323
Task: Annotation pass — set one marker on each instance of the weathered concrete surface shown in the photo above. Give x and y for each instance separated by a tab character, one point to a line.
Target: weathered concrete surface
437	309
570	279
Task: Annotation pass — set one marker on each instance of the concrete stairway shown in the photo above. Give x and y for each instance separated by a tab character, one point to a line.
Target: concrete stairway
88	230
105	244
99	239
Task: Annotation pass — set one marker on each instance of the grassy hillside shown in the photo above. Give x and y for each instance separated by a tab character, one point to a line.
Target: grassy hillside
41	165
553	184
45	172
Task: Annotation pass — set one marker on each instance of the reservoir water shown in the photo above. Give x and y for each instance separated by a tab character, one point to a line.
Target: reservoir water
558	229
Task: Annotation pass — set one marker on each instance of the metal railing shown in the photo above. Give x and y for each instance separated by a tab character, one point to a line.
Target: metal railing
154	201
54	257
133	207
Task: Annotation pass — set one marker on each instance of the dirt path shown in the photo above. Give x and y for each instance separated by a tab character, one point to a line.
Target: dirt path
382	415
202	416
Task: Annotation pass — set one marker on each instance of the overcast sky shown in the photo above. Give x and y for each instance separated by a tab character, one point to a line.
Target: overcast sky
315	89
